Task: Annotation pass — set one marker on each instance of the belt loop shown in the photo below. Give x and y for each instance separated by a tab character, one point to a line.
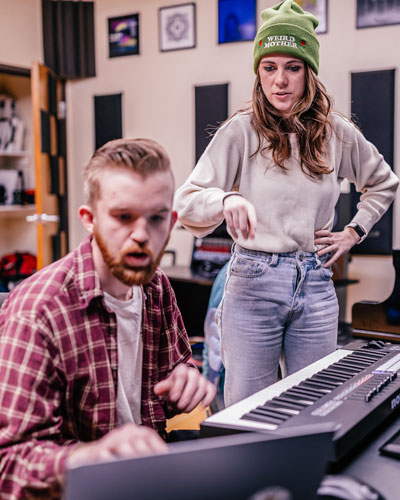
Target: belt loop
233	248
274	259
318	261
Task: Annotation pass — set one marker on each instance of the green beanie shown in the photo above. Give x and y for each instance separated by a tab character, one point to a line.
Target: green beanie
287	29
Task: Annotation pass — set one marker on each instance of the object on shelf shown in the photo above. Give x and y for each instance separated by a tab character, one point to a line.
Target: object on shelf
12	128
15	267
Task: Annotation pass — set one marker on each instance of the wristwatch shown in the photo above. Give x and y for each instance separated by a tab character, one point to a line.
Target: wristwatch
359	230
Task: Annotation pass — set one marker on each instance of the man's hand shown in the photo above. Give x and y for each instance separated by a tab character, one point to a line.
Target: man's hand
128	441
186	388
240	215
337	243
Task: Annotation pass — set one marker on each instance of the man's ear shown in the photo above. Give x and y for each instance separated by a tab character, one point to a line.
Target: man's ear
174	218
86	215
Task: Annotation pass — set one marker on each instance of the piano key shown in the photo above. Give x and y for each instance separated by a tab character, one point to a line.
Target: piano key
261	418
344	369
301	394
307	392
336	376
291	400
278	407
272	413
326	379
315	385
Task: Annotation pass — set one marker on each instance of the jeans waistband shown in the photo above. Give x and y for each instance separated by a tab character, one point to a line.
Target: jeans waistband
307	257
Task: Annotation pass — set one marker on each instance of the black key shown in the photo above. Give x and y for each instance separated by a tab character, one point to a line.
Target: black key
288	404
327	379
278	407
308	392
317	385
333	374
261	418
271	413
291	399
301	394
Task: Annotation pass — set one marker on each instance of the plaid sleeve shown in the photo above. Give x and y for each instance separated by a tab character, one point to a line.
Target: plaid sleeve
32	453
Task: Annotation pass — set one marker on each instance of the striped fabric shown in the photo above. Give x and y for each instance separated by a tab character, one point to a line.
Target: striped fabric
58	369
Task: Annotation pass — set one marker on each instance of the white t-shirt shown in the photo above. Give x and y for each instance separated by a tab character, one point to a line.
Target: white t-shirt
130	354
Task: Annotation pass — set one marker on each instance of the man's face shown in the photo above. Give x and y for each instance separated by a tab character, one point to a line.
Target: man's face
132	220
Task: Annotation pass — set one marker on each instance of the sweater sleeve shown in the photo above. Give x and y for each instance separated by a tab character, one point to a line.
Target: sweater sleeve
362	164
32	453
199	201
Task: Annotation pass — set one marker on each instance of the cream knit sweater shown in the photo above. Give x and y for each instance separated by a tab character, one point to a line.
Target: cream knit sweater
290	206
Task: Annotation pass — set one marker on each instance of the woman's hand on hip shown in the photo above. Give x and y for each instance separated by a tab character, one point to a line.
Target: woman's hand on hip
338	243
240	215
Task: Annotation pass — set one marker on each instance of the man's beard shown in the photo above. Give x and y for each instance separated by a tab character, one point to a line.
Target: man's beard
127	274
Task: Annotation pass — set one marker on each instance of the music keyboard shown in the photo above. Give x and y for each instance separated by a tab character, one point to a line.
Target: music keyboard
355	388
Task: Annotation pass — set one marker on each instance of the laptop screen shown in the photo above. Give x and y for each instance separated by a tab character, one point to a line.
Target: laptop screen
241	466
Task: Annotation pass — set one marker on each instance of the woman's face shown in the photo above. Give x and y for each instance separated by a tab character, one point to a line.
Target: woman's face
282	80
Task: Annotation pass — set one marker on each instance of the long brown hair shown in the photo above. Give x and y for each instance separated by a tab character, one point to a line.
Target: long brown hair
309	120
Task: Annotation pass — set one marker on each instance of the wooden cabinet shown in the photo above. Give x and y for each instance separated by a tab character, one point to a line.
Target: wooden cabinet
15	233
40	227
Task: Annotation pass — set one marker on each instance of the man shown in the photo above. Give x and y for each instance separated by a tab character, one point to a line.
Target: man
93	345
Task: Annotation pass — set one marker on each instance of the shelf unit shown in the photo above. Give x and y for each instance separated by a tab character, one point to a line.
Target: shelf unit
16	234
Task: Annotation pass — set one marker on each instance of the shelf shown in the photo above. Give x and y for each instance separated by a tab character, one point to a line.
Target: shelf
17	210
13	154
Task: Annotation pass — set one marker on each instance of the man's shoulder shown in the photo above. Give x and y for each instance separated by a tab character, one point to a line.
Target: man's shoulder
57	283
43	287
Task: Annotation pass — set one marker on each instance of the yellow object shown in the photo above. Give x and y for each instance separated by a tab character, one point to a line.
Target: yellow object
188	421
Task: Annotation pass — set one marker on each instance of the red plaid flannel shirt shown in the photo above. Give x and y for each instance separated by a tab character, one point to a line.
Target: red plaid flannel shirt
58	369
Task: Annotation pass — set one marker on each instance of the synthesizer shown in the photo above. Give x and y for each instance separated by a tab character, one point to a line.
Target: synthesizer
355	388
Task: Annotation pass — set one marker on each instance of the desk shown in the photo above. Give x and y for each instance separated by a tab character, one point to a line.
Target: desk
192	294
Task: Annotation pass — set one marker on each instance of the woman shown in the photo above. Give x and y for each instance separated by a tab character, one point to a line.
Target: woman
286	156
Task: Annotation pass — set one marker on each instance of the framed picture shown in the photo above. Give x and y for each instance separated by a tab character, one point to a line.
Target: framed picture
123	35
372	13
320	10
236	20
177	27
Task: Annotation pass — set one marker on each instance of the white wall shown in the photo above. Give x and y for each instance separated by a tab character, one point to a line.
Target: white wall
20	32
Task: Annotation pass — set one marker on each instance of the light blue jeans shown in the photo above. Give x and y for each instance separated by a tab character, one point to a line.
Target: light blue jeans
274	303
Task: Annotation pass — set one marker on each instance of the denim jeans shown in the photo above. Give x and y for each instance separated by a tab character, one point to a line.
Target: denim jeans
273	303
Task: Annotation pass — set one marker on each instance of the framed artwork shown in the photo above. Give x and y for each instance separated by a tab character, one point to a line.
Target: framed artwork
372	13
123	35
177	27
236	20
320	10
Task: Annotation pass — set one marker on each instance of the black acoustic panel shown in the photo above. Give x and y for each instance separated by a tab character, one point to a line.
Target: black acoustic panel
372	98
52	94
45	131
68	37
61	138
63	214
54	175
56	246
211	109
108	118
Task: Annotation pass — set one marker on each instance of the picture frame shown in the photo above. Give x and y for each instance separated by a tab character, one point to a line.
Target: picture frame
373	14
123	35
177	27
237	20
319	8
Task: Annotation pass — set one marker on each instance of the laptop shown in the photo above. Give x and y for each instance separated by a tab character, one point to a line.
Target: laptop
247	466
